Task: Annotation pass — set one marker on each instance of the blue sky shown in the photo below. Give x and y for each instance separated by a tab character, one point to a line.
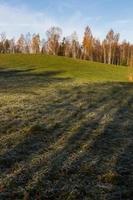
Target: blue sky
18	16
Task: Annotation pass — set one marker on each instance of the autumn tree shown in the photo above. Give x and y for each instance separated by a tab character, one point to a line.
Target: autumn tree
21	44
53	37
6	46
43	46
67	47
109	51
125	53
62	47
12	45
74	45
28	43
2	42
88	44
130	56
35	43
97	50
111	44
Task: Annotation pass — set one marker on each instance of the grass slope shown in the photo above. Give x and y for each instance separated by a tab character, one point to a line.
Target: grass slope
66	129
79	70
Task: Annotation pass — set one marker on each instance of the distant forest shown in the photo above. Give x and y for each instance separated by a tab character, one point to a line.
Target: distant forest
109	51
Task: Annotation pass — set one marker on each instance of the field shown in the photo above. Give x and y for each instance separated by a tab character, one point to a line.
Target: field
66	129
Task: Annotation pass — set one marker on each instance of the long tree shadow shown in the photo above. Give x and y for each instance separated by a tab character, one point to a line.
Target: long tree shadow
40	134
82	156
94	168
18	81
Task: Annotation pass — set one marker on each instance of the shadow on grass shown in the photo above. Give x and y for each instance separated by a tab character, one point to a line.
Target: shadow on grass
15	80
82	151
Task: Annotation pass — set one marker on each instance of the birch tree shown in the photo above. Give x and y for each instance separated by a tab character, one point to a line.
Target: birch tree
53	37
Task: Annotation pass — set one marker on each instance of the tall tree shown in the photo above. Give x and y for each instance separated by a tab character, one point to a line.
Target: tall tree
21	44
35	43
111	42
2	41
97	50
67	47
53	36
28	43
74	45
88	44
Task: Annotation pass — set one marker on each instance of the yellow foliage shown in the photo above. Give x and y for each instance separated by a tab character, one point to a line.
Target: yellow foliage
130	77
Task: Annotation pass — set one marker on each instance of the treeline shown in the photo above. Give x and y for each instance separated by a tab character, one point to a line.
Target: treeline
109	51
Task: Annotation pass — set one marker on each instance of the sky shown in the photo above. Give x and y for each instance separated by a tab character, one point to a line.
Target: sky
36	16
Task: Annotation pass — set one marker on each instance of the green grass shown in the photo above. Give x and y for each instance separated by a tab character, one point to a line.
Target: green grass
82	71
66	129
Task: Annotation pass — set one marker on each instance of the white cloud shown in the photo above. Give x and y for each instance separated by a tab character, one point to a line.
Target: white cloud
14	20
122	26
20	19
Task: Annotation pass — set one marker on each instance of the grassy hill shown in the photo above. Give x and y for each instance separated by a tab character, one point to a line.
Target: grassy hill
79	70
66	129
